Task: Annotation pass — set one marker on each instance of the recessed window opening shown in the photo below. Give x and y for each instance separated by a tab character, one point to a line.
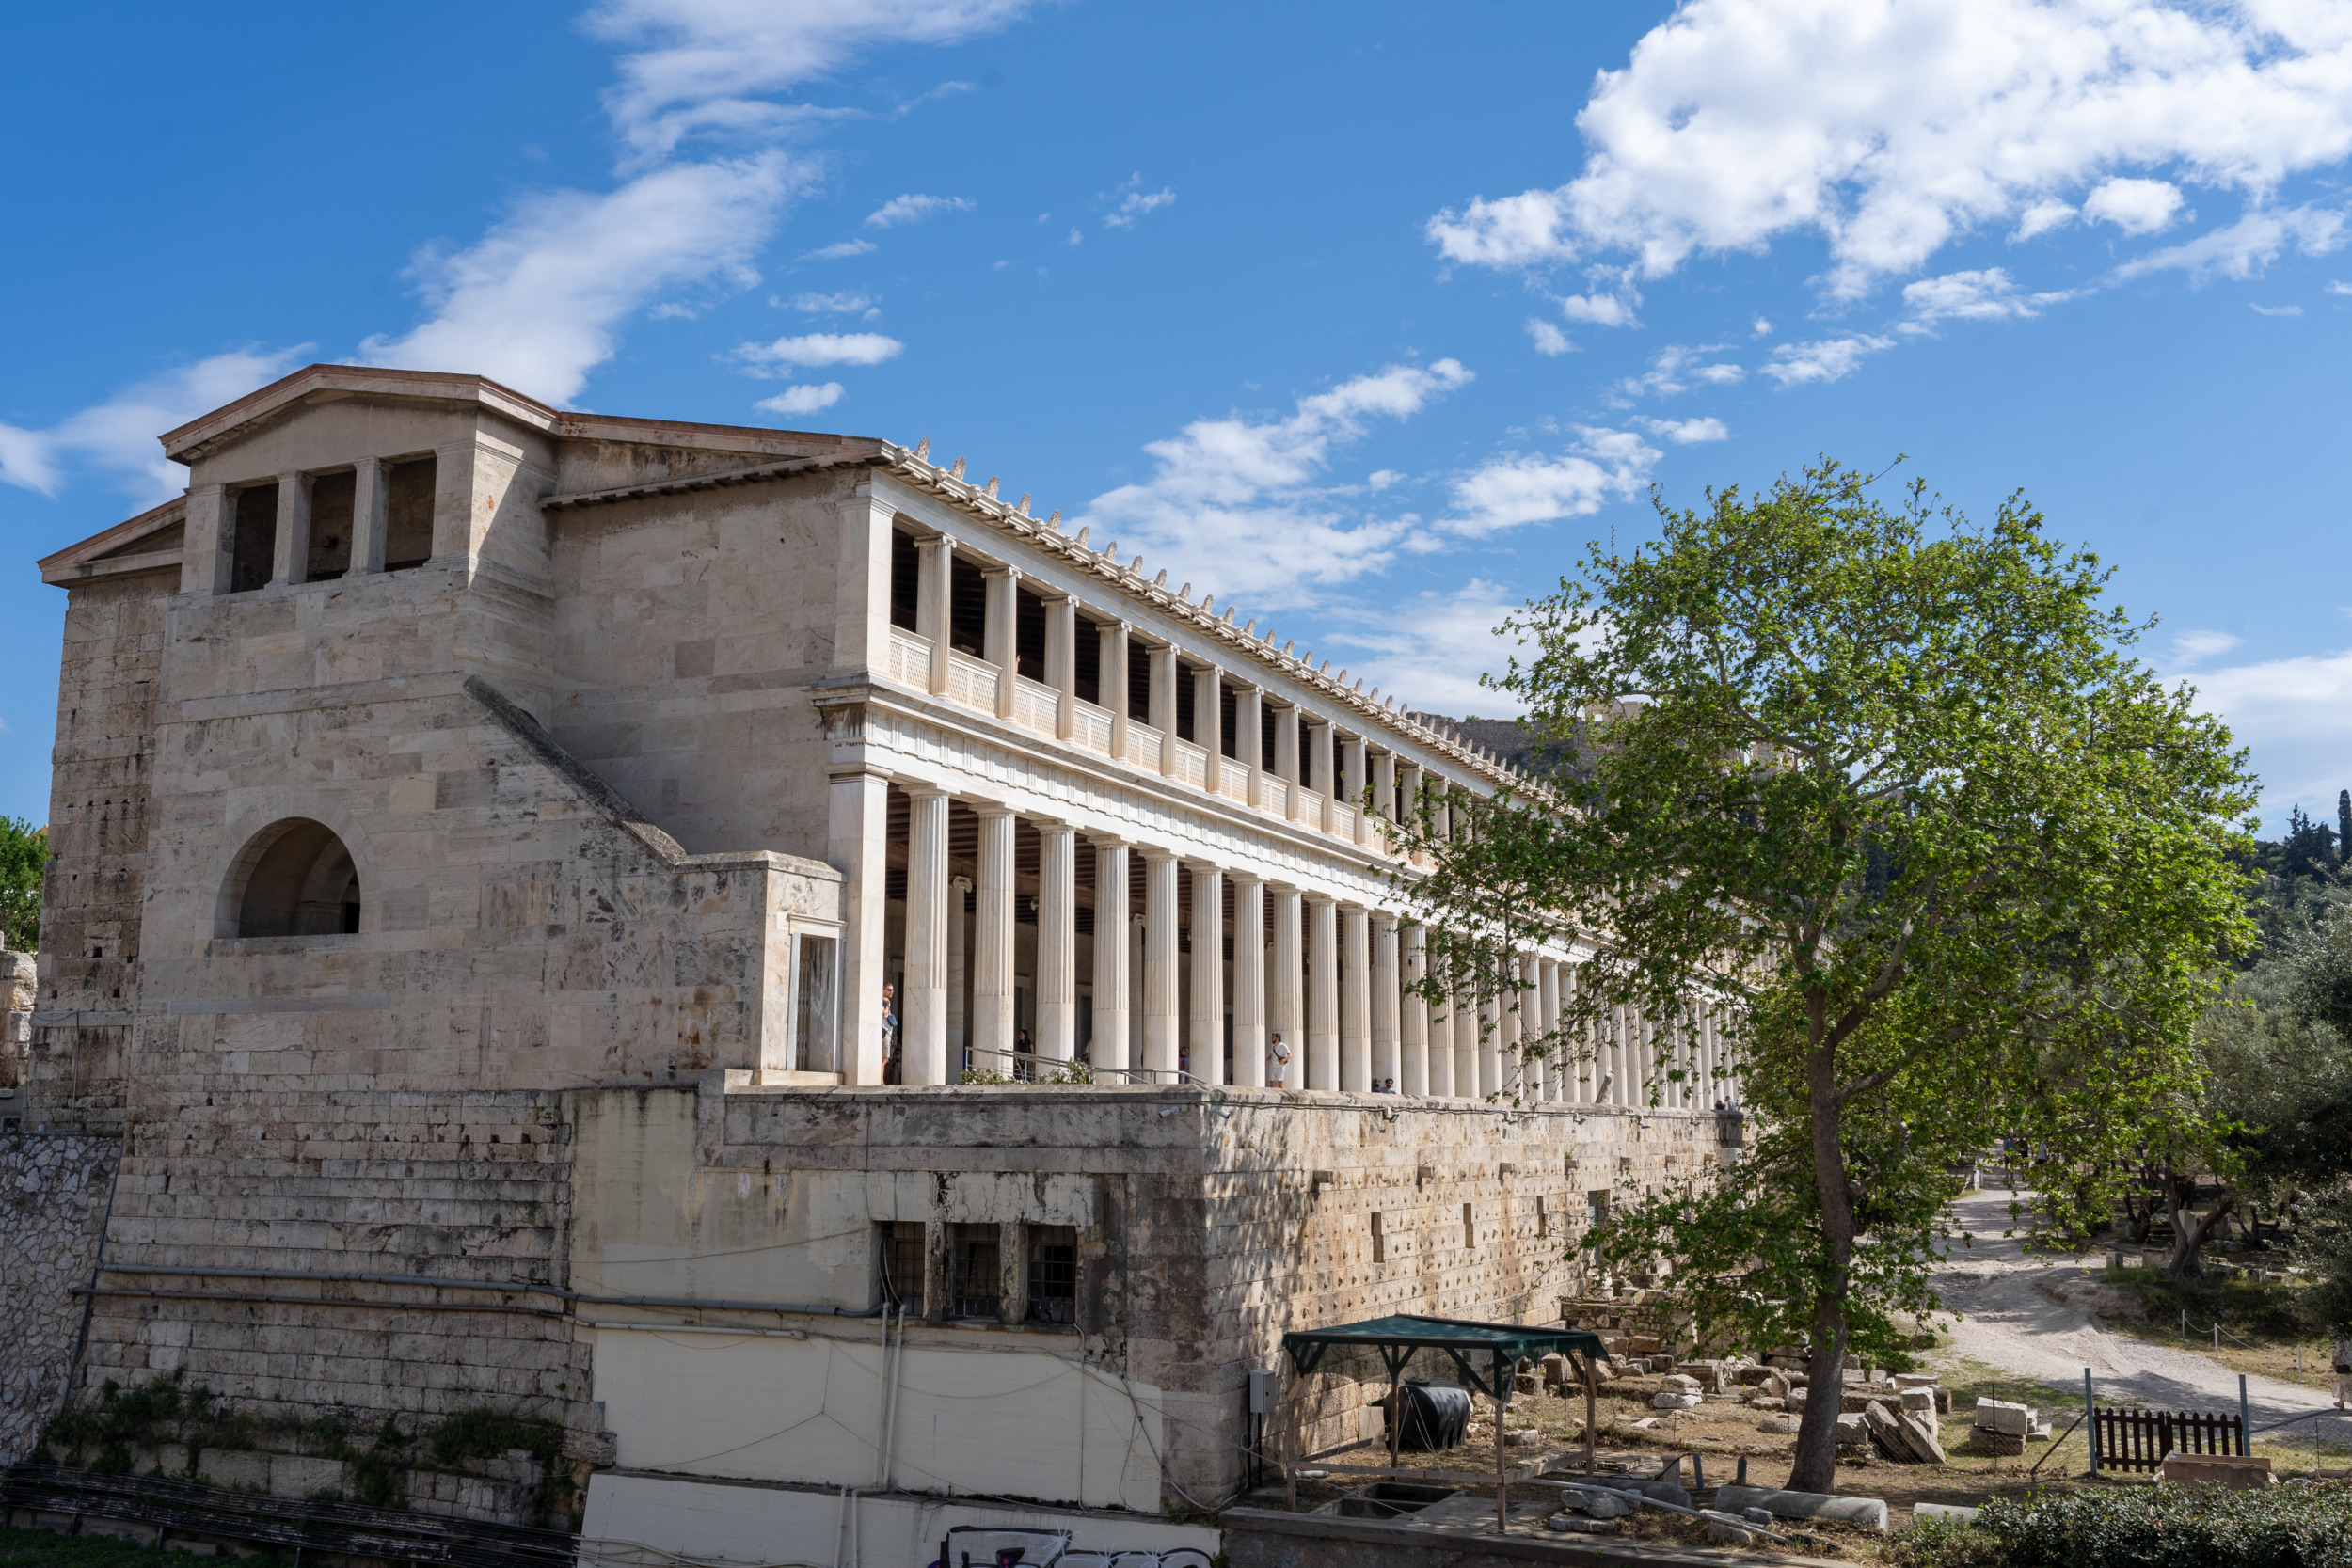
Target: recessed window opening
901	1257
253	550
1228	722
1186	727
967	609
905	579
1053	1273
1139	680
977	1279
409	514
330	555
815	1029
296	879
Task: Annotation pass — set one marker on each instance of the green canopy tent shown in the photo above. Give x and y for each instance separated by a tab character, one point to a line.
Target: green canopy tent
1486	1355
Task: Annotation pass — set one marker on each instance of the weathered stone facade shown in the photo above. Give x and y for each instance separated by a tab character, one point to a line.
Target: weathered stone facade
53	1191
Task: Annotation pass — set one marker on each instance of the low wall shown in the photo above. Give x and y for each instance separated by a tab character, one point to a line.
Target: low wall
54	1189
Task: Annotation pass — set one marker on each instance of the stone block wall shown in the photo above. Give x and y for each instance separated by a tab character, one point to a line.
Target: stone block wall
53	1191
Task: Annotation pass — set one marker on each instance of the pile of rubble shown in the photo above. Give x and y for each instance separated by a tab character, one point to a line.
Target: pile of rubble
2002	1428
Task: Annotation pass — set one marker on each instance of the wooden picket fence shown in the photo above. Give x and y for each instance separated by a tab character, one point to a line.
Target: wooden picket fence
2139	1439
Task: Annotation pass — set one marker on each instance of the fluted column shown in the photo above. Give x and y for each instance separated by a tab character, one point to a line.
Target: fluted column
1354	999
1057	941
992	1029
1286	1002
1163	706
1161	1016
923	1008
1109	1048
1250	744
1384	794
1533	1072
1248	982
1510	1070
1412	1020
1319	767
1206	1033
1384	999
1323	994
1468	1032
1208	723
1061	662
1556	1067
1002	639
1286	758
1355	790
1440	1043
1111	639
934	603
857	845
958	978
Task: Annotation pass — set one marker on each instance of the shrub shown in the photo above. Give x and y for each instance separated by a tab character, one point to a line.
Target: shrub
2146	1526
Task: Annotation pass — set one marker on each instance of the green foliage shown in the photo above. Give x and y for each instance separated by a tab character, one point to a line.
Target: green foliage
1952	864
2250	1309
24	862
2158	1527
103	1435
2323	1245
40	1548
1942	1544
474	1436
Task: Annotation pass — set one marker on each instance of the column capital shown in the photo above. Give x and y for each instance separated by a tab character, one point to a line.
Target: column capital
961	883
1153	852
920	790
993	809
1248	879
1322	900
934	541
1200	866
1053	825
1388	919
1002	571
1109	840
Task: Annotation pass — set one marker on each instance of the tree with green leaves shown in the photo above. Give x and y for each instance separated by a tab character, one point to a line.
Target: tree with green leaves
1888	790
24	863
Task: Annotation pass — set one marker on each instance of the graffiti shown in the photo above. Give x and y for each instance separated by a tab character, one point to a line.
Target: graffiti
978	1546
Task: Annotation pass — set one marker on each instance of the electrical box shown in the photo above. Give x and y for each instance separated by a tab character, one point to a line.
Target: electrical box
1264	1388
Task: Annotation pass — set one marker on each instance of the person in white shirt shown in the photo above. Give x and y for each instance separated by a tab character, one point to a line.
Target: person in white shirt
1278	1061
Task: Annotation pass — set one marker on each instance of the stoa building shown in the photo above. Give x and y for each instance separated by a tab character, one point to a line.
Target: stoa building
857	1005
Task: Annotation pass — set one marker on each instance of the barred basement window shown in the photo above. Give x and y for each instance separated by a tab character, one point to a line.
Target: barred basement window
976	1288
1053	1273
902	1258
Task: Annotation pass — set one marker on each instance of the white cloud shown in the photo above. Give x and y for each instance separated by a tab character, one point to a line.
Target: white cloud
2042	217
823	348
1380	479
2246	247
832	305
842	251
1685	432
1762	327
118	437
2135	206
900	211
1550	340
2336	288
1077	237
2195	647
2277	310
1603	465
536	303
1237	503
1989	294
1600	309
1824	360
1430	649
1893	127
1674	368
2295	715
1136	203
801	400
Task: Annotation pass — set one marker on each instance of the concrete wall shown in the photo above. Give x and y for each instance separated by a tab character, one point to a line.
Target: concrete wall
53	1203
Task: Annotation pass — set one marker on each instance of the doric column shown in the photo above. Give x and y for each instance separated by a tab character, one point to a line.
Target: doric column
857	819
1384	792
1319	765
1111	982
1535	1072
1161	1019
370	513
1061	662
992	1029
1208	723
1323	993
1356	792
1112	638
1057	941
923	1005
1556	1068
1407	790
1249	740
1467	1035
1000	638
1489	1044
1248	982
959	977
1286	1012
934	604
1384	999
1354	999
1206	1034
1286	758
1510	1071
294	529
1440	1017
1413	1020
1163	715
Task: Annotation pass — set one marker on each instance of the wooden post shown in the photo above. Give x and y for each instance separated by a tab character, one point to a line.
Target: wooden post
1503	1485
1592	1421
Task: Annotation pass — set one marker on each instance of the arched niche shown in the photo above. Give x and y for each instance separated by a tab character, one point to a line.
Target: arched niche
293	878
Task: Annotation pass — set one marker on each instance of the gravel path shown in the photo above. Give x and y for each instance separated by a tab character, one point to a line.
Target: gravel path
2024	1316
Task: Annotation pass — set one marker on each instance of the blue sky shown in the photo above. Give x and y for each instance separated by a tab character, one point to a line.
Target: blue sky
1364	317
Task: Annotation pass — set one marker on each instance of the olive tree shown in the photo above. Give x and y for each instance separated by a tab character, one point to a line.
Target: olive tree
1887	789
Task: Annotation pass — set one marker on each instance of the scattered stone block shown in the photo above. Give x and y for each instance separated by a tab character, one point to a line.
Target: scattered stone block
2001	1415
1922	1400
1765	1402
1682	1383
1782	1424
1983	1441
1669	1400
1569	1523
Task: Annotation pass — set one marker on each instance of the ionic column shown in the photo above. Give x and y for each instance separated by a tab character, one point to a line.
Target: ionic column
1286	759
1000	637
1163	715
1319	765
1250	744
1057	941
1286	1009
993	1030
959	977
1355	749
1161	1017
1556	1068
1109	1049
293	554
1384	999
1354	999
1412	1022
1207	719
1112	639
1061	662
370	511
923	1007
1323	994
934	603
1384	793
1440	810
1207	1033
1248	982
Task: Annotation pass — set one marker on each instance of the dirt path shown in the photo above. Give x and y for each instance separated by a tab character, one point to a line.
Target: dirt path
2024	1316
